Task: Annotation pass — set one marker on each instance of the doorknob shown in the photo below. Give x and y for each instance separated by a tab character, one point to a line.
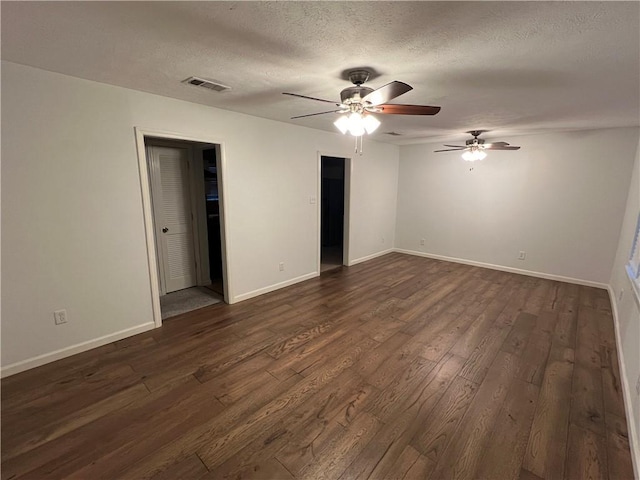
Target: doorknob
165	230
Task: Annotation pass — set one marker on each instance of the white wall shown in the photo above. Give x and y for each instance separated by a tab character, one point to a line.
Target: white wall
627	310
72	222
560	198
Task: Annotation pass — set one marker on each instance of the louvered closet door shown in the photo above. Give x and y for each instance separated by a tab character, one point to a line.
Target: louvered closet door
175	222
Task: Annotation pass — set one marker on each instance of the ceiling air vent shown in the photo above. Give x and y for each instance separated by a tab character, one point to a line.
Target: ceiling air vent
201	82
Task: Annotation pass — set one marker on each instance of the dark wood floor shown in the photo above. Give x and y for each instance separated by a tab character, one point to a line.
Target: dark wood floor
400	367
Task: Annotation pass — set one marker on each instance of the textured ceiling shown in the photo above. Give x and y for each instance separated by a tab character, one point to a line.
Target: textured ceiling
509	67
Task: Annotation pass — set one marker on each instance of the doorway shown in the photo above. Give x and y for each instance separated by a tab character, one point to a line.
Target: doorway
183	184
332	213
212	209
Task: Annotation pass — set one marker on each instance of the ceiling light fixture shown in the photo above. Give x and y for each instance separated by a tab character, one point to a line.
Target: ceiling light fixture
474	153
474	149
357	124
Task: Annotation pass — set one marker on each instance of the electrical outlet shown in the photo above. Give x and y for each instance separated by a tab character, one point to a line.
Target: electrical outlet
60	316
522	255
422	242
638	386
281	266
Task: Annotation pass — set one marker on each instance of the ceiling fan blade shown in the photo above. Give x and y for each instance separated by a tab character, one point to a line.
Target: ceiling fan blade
387	92
451	149
311	98
408	109
457	146
495	144
502	148
319	113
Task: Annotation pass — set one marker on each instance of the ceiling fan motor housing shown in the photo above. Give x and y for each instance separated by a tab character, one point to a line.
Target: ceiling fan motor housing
354	93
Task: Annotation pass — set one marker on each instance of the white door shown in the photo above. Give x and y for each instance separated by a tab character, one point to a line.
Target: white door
172	214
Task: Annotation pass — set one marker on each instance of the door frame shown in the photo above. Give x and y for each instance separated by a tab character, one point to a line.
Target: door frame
346	230
147	211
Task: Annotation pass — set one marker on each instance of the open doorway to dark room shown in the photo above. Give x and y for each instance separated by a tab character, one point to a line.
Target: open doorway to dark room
212	198
331	213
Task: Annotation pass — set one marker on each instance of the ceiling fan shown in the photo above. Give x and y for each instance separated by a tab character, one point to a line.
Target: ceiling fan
475	147
357	103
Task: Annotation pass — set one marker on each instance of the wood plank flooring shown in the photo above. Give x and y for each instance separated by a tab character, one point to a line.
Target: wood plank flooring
398	368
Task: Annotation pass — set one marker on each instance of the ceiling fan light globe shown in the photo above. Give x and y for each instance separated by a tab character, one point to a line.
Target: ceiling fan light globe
342	124
356	124
371	123
357	130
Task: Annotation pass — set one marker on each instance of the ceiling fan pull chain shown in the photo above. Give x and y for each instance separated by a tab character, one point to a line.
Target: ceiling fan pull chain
358	149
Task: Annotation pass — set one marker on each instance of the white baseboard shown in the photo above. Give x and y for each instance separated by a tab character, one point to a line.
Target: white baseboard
370	257
271	288
72	350
302	278
530	273
634	441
